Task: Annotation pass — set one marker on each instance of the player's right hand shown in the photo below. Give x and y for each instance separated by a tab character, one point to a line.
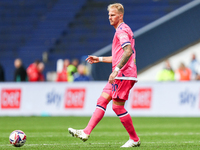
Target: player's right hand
92	59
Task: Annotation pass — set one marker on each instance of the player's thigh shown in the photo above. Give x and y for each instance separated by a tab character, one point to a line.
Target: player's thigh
119	102
107	92
106	96
121	89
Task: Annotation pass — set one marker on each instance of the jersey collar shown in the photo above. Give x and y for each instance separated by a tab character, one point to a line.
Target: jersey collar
120	25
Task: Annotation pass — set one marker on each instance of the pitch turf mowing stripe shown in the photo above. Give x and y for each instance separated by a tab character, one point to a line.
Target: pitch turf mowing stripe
46	133
52	134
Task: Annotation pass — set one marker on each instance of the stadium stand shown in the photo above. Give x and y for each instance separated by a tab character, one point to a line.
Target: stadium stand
86	32
18	20
47	34
160	39
66	29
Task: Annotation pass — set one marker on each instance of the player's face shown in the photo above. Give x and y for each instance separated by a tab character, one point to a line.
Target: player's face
114	17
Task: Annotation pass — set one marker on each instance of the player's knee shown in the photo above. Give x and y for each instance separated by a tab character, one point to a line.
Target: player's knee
103	102
116	108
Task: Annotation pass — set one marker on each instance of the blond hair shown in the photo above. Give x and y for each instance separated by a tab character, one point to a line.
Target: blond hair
118	6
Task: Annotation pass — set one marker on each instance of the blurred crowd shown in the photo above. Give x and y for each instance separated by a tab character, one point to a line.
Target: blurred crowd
71	71
183	73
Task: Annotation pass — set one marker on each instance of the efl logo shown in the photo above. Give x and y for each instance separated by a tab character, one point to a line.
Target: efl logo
141	98
10	98
74	98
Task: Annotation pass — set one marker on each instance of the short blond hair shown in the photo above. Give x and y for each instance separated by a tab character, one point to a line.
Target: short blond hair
118	6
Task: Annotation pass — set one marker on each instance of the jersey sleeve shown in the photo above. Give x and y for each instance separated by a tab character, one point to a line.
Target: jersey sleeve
123	38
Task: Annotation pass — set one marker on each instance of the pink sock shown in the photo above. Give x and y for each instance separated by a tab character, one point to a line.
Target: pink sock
97	115
126	120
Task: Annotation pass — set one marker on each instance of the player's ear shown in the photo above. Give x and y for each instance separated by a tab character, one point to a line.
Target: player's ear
121	16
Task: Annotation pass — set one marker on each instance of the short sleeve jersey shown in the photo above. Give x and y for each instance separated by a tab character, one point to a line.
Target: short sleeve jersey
124	36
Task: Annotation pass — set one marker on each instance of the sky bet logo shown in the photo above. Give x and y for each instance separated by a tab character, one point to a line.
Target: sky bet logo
188	98
54	98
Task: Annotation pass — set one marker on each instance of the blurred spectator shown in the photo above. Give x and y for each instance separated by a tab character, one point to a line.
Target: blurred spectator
195	68
32	72
2	75
71	69
62	76
40	68
81	74
167	73
183	73
20	72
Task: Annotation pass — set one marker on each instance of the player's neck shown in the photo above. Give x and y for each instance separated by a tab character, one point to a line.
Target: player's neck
118	24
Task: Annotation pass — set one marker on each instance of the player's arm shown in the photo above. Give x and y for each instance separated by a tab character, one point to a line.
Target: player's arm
107	59
94	59
125	57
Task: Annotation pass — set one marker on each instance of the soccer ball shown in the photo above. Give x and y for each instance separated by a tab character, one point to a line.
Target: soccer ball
17	138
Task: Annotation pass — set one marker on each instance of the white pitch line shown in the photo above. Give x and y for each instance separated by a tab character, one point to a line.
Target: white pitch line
99	143
6	145
175	142
166	133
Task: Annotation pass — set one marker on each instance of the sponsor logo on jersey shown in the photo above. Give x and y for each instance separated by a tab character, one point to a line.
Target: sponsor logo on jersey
74	97
10	98
123	35
141	98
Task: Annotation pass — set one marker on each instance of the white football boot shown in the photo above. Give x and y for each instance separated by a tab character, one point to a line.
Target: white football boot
79	134
131	143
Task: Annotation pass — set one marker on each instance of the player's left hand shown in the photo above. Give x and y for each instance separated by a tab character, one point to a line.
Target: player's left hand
112	76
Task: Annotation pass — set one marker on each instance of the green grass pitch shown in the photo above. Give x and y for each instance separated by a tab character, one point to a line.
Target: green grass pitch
46	133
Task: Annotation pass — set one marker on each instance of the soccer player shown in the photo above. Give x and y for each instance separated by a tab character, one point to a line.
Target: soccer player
121	80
